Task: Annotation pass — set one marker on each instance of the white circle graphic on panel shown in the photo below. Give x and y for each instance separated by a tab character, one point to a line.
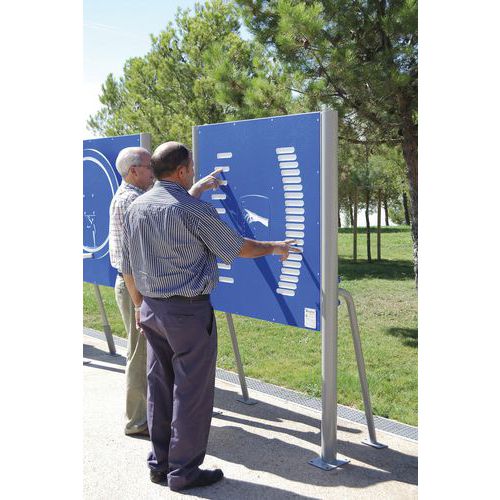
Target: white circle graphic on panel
100	184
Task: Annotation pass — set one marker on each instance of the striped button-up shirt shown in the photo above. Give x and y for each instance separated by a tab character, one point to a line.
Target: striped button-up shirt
171	242
122	199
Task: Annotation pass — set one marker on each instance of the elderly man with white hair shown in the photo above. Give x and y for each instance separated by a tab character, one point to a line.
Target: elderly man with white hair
134	165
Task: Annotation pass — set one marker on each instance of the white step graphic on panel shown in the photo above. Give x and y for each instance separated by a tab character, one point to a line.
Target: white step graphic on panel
294	196
293	203
295	220
220	197
287	172
295	211
292	180
290	279
289	164
299	227
282	158
292	187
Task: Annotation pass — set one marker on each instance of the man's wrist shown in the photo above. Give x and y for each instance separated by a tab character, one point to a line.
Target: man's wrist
195	190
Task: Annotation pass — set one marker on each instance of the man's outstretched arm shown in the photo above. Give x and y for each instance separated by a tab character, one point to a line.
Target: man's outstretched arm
208	182
252	249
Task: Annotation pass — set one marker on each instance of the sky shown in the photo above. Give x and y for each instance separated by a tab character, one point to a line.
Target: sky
114	31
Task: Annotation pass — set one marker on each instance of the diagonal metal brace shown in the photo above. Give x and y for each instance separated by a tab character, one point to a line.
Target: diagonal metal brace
372	441
239	365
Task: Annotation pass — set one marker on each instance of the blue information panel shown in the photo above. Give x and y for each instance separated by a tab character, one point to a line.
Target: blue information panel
271	171
100	182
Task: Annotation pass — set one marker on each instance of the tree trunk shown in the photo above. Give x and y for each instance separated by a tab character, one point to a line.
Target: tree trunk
355	227
339	221
409	131
351	216
405	206
367	216
386	211
379	223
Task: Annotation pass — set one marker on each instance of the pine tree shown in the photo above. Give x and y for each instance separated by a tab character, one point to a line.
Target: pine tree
359	56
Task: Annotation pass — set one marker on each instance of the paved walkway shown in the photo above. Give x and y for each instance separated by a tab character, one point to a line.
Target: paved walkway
262	449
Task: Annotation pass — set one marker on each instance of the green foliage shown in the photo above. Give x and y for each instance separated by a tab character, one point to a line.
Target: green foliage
396	212
199	70
372	168
359	56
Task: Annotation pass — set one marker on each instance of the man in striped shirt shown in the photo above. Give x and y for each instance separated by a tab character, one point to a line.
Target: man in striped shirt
134	165
170	248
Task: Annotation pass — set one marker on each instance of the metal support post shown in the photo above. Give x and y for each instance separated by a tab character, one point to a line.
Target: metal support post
372	441
105	323
241	374
329	295
194	150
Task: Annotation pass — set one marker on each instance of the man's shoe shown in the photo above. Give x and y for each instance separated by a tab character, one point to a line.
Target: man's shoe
206	478
158	477
140	434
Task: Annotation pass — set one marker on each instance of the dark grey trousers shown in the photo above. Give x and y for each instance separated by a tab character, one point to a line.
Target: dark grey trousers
181	360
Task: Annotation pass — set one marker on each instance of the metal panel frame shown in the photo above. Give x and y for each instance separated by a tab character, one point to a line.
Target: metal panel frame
194	134
329	290
145	141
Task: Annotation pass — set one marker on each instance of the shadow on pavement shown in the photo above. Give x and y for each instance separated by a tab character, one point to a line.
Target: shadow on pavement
233	488
91	352
276	454
289	461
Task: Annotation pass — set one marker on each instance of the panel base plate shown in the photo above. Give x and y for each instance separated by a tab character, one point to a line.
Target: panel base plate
319	462
374	444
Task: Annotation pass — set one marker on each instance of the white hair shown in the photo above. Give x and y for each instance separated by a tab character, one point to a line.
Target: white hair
129	157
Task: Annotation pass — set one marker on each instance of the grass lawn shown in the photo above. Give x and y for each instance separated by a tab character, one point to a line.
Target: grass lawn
386	303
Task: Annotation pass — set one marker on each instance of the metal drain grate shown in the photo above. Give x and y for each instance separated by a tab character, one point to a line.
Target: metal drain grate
345	412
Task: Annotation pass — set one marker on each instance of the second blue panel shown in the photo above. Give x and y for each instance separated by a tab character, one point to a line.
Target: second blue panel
271	192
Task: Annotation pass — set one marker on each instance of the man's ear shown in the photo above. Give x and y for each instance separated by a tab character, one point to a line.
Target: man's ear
182	170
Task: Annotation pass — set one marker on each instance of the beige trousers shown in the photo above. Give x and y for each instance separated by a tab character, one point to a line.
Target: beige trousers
135	371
